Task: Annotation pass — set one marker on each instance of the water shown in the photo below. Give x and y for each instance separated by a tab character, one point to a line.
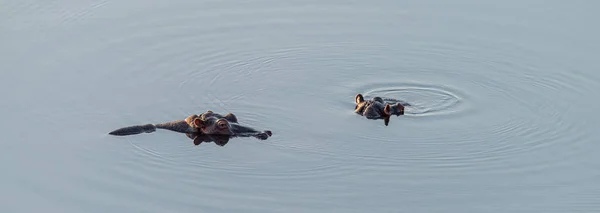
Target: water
503	115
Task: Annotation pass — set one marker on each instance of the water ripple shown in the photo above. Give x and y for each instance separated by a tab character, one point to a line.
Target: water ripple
478	106
481	141
424	100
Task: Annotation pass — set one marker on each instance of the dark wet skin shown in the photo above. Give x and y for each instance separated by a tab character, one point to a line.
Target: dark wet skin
378	108
220	140
208	123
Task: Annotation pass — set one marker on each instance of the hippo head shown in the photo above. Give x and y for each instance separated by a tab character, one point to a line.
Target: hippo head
213	125
229	116
376	108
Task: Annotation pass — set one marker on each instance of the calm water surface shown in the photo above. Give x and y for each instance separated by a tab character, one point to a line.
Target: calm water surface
503	117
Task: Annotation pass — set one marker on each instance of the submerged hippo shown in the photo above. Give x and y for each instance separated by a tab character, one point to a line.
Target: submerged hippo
379	108
208	123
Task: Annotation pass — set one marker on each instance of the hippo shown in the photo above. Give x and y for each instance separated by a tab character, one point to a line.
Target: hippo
208	123
378	108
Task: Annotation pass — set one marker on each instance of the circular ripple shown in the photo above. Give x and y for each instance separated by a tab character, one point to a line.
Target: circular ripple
505	104
180	63
422	100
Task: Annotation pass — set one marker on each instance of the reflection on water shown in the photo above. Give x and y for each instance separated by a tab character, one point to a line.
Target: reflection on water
502	114
220	140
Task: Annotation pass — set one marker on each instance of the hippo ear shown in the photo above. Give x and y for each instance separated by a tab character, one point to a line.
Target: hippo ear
190	119
358	98
387	110
198	123
400	109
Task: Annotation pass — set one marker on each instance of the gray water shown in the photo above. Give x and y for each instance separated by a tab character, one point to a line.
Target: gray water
503	117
